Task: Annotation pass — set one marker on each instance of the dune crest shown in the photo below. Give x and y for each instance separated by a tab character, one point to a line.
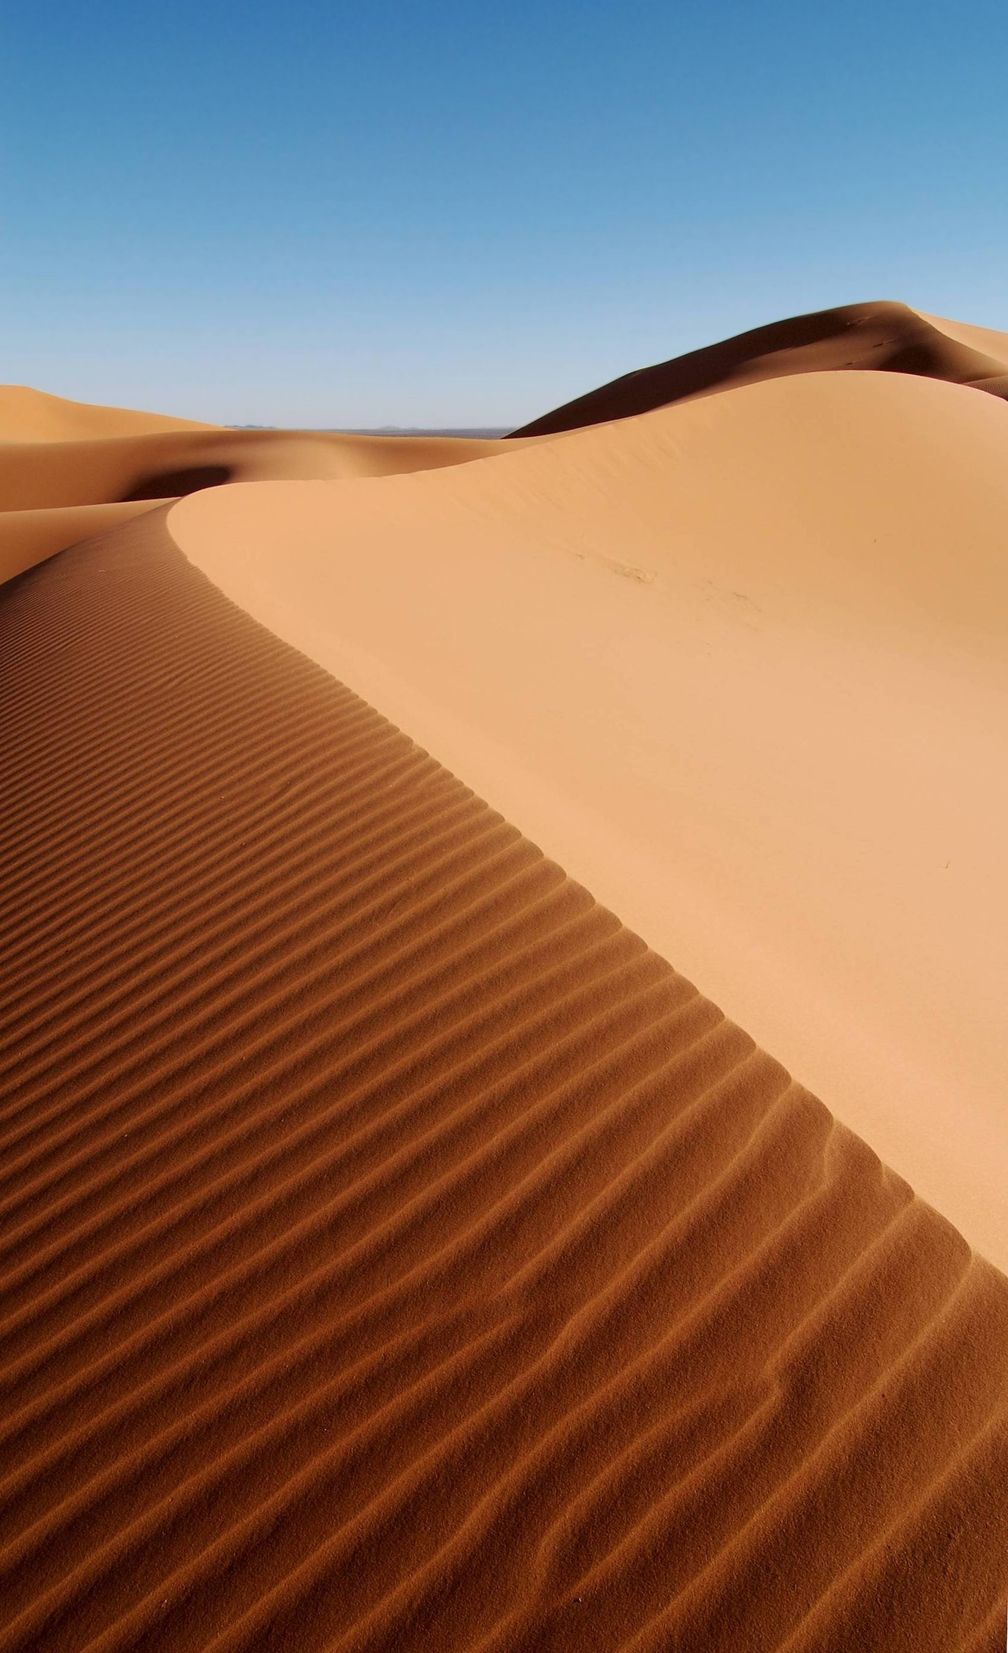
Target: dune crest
28	415
740	666
398	1254
880	336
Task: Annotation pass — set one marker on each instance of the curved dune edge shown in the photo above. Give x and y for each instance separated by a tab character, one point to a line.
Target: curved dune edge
740	667
396	1253
876	336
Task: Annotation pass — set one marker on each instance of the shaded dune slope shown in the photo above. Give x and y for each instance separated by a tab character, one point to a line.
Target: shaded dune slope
396	1254
879	336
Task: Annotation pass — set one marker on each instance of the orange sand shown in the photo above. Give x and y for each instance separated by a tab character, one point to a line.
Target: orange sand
28	537
28	415
396	1253
740	666
59	461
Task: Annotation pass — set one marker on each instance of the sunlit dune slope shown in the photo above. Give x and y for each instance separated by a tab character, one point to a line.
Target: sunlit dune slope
741	666
877	336
396	1254
28	415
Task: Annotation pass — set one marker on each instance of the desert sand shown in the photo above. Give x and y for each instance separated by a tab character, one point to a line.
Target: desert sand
396	1252
741	667
28	537
28	415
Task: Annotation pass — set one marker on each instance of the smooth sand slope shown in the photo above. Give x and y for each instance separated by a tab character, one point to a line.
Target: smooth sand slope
28	415
101	468
741	666
880	336
396	1254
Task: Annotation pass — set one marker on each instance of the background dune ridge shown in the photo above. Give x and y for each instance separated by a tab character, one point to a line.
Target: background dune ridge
395	1251
28	415
880	336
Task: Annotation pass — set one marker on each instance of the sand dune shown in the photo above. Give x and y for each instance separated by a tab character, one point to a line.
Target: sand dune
28	415
396	1253
880	336
48	486
740	666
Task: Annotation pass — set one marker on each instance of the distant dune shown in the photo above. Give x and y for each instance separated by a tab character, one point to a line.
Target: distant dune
47	475
396	1252
28	415
882	337
44	474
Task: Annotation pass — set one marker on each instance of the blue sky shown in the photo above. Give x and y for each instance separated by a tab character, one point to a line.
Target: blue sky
431	212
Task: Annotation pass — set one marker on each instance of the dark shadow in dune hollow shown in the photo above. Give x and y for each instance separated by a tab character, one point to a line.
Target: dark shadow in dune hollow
172	484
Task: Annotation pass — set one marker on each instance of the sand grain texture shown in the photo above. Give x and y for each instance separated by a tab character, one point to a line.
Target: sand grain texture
396	1254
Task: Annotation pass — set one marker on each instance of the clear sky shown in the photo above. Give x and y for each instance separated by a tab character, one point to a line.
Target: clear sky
442	212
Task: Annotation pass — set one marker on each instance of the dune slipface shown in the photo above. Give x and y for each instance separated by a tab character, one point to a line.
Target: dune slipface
395	1252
